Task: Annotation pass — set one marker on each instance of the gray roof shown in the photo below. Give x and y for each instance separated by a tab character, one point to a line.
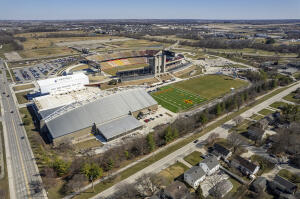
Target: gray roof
195	172
117	127
284	183
100	111
47	112
211	162
221	149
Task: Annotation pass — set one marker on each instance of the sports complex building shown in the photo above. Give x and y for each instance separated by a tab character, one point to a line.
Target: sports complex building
110	114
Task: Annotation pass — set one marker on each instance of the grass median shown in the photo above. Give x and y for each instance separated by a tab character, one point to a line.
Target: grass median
100	187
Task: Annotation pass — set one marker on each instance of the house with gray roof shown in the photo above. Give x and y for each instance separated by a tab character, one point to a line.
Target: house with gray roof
194	176
210	165
280	185
244	165
221	152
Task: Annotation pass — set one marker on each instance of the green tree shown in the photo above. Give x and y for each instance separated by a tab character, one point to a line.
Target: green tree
218	109
61	167
151	141
168	134
175	133
92	171
203	119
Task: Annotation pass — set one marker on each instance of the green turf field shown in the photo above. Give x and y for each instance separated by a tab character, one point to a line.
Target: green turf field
210	86
176	99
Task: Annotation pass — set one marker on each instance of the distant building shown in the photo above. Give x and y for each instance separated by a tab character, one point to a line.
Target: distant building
210	165
244	165
221	152
194	176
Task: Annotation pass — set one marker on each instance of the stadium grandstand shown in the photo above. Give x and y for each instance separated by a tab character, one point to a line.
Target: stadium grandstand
131	64
110	114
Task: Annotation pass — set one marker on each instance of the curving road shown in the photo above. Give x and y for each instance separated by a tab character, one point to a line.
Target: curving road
23	174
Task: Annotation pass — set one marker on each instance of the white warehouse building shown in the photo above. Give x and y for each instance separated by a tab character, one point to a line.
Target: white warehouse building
63	84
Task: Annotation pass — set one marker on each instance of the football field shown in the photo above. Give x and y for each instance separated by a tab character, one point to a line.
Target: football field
176	99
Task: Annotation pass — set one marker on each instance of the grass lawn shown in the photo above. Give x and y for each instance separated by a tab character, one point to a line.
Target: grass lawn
193	158
23	87
80	67
21	97
278	104
176	99
256	117
114	70
265	112
290	98
4	182
85	145
210	86
235	184
265	165
147	162
242	127
54	192
173	171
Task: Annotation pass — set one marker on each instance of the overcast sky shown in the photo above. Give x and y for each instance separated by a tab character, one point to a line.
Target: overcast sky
149	9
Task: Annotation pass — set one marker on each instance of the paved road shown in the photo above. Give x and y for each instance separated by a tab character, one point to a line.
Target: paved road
171	158
22	170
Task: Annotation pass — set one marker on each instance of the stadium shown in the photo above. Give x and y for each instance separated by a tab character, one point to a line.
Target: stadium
128	65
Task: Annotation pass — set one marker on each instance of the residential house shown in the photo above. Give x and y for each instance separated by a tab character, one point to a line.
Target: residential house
221	188
194	176
255	133
176	190
245	166
210	165
259	184
281	186
221	152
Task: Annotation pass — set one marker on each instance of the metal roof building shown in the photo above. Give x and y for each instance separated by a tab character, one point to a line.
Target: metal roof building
106	113
63	84
119	126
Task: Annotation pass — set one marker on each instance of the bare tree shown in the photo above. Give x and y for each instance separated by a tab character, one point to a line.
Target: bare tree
145	185
238	120
235	140
77	181
126	191
212	138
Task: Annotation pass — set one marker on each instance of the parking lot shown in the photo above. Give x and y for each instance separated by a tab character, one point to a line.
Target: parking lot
41	70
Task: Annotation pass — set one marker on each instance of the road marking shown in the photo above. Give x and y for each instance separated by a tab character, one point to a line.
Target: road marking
18	146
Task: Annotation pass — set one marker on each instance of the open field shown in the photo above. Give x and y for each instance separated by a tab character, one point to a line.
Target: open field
176	99
114	70
210	86
265	112
21	97
193	158
173	171
23	87
43	52
254	52
138	44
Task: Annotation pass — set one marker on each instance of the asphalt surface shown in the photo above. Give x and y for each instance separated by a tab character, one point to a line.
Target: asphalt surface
24	177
